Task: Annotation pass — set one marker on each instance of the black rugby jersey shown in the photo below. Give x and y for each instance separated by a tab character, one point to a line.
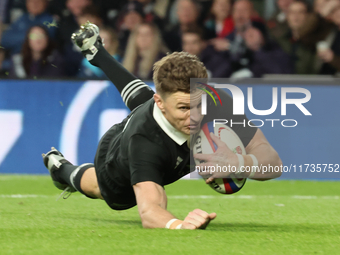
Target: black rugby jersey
145	152
146	147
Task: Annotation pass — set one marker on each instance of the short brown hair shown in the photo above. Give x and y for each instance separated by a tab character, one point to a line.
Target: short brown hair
173	72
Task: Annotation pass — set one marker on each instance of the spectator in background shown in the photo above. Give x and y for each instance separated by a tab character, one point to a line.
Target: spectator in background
90	13
265	56
328	50
56	7
39	58
221	21
13	10
248	49
319	5
277	24
3	12
150	7
239	56
68	21
109	10
13	37
188	12
194	43
130	17
317	25
145	47
110	40
3	7
243	11
68	24
296	42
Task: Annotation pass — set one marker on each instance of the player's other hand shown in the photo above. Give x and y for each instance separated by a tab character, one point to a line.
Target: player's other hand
197	219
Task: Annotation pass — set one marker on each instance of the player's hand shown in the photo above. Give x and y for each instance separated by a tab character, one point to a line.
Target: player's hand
223	160
197	219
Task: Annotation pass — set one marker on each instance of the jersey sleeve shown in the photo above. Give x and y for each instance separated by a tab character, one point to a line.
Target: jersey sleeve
239	123
147	160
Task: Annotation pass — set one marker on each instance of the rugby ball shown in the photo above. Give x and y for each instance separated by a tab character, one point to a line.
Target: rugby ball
205	145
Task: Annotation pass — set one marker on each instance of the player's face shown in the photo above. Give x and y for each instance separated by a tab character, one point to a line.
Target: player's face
195	112
182	113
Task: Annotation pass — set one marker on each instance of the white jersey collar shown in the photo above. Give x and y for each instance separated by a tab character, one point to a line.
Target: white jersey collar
172	132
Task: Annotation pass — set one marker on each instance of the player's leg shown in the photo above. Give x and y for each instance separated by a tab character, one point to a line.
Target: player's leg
89	184
133	91
72	178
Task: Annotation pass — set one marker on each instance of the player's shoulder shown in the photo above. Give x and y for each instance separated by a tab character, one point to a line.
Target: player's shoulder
143	112
143	125
141	119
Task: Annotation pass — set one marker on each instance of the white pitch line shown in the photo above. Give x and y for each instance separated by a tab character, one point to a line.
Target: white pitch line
305	197
23	196
193	196
21	177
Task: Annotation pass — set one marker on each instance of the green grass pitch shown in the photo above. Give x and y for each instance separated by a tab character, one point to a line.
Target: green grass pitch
273	217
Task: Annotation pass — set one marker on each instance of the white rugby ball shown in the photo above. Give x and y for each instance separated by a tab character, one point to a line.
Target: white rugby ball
205	145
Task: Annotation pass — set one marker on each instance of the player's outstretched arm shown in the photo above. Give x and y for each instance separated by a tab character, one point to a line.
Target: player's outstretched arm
266	156
133	91
152	202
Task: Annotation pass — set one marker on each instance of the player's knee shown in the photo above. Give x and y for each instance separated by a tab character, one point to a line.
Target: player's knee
96	192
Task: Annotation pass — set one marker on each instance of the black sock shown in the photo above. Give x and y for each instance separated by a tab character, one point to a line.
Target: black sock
72	175
76	176
133	91
64	172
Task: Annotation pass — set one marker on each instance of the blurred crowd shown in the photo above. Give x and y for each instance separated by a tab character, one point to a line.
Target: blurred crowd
233	38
